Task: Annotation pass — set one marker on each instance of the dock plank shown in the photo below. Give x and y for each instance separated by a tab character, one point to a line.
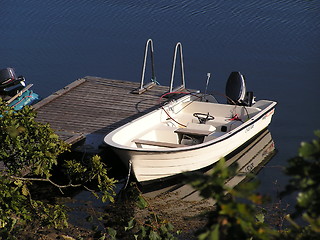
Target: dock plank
93	105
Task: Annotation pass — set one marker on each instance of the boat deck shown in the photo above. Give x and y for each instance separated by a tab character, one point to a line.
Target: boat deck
93	106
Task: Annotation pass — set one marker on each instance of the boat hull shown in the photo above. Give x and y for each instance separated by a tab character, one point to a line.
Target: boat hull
150	165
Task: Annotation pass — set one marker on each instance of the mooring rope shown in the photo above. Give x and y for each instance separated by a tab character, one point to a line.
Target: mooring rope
129	173
155	81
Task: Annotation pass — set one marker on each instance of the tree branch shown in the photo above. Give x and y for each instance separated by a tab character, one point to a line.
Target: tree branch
45	180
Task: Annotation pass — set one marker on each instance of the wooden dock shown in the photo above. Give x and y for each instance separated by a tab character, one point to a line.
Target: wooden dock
95	106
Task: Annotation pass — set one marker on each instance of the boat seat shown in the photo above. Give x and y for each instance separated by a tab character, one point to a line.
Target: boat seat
205	127
196	129
156	143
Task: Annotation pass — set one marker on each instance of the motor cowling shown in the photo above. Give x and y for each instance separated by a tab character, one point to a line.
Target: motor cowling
236	90
8	78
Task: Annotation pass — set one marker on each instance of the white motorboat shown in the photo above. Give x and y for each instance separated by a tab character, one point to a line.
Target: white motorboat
191	132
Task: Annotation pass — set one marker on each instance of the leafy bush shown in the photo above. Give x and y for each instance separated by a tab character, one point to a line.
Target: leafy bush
29	150
27	145
237	216
153	227
304	171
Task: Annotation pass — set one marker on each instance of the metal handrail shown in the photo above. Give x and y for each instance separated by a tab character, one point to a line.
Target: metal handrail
178	46
153	77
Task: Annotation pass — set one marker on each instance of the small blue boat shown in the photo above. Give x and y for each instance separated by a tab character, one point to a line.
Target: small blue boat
14	91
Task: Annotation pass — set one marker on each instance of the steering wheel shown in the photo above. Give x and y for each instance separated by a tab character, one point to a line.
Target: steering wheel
203	117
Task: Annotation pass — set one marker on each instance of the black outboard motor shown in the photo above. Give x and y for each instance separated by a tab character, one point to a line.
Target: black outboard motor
236	90
8	78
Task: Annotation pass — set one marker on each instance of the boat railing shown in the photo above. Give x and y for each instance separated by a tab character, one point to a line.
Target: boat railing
182	86
149	48
143	88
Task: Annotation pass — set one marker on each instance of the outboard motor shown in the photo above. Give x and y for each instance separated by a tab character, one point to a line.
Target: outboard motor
236	90
8	78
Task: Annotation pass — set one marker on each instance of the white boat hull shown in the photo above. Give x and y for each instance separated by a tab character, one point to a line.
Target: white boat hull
151	163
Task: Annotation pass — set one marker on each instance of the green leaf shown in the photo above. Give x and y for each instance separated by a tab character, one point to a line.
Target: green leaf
154	236
89	219
214	235
204	235
112	233
25	190
143	232
141	202
131	224
163	229
305	198
317	133
260	217
170	226
18	183
306	149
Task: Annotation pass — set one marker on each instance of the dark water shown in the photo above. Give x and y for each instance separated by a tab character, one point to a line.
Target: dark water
274	43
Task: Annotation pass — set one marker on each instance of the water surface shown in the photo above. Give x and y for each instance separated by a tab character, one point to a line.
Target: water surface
275	44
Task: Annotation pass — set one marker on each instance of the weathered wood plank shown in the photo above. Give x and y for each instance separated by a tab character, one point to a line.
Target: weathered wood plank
93	105
58	93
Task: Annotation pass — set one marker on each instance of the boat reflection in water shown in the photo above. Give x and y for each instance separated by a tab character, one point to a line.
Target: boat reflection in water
250	159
